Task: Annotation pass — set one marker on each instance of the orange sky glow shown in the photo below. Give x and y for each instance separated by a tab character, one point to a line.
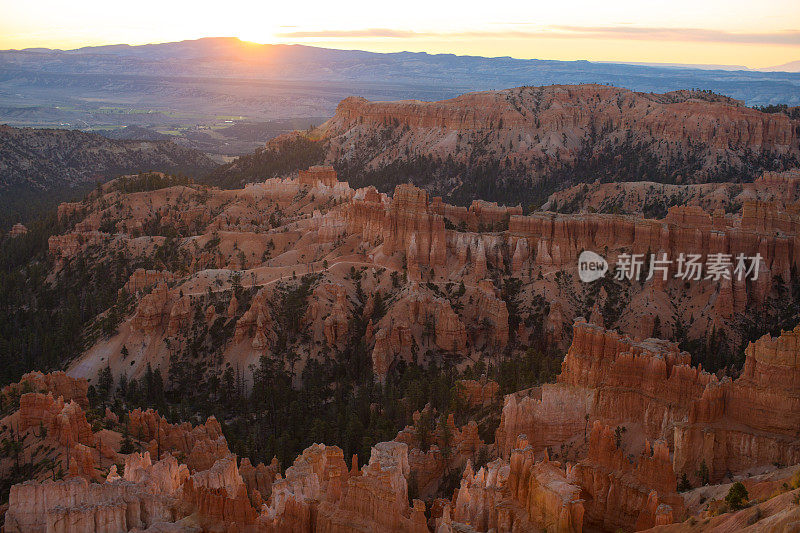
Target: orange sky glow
731	32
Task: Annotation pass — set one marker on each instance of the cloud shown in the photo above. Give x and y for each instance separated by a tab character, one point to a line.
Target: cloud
789	37
347	34
639	33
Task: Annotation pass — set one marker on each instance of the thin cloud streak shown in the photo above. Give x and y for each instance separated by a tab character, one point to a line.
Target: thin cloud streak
348	34
788	38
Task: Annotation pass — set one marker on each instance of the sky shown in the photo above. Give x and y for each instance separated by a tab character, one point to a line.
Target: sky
725	32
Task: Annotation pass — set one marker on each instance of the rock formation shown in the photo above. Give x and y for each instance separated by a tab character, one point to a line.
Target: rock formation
493	310
410	242
522	495
219	495
17	230
57	383
64	422
319	494
336	325
417	319
202	445
142	279
448	448
606	377
147	494
180	316
256	323
753	420
478	393
153	310
318	175
622	494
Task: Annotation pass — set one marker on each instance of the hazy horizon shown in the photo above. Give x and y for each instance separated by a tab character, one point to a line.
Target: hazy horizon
682	32
701	66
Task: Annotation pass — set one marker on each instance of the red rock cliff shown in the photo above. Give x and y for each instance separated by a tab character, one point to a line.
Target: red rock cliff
753	420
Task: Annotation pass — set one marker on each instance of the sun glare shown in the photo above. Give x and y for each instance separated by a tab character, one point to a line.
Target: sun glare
729	32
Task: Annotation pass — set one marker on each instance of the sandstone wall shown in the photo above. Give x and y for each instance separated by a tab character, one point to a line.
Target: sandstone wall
753	420
611	378
625	494
522	495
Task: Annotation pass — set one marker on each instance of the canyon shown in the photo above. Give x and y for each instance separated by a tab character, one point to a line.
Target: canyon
559	308
450	282
632	432
184	478
663	390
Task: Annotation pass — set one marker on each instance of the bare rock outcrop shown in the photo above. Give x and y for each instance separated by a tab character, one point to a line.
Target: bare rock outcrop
416	320
318	175
145	495
65	422
219	495
202	445
153	310
623	494
494	312
448	448
142	279
521	495
17	230
58	383
753	420
257	323
337	323
180	316
609	377
543	127
478	393
377	499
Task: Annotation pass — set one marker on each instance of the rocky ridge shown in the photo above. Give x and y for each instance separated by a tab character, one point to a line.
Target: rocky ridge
560	133
47	159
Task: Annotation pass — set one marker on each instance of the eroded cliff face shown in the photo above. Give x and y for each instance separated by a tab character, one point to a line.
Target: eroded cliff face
76	505
539	131
58	383
201	446
649	199
320	494
405	331
47	430
447	449
476	393
519	495
620	493
752	420
609	377
644	397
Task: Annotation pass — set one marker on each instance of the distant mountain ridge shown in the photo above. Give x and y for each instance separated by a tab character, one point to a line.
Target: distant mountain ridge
193	82
237	58
792	66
